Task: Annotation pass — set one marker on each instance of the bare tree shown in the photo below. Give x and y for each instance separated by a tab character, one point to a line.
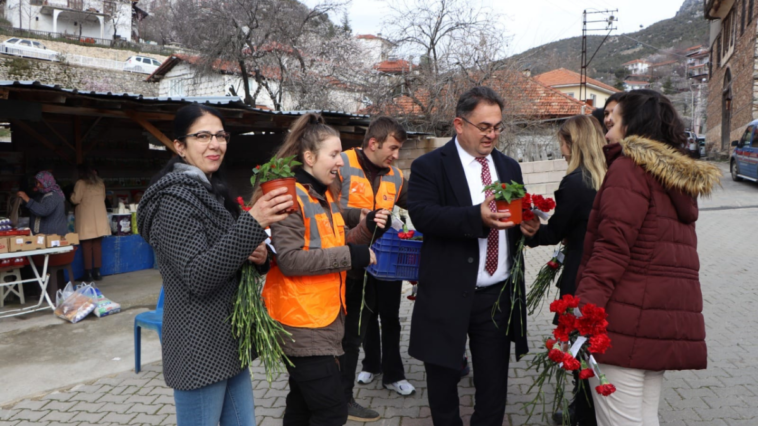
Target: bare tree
154	27
458	44
277	47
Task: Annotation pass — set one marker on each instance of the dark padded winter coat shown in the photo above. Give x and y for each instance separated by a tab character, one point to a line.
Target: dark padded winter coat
640	258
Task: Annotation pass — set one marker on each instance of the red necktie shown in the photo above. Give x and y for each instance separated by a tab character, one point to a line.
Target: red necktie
494	237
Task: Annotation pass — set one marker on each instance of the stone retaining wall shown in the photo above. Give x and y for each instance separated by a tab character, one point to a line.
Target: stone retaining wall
70	76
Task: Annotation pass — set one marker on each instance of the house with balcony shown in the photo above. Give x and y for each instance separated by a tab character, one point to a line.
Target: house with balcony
637	67
98	21
732	93
698	61
630	85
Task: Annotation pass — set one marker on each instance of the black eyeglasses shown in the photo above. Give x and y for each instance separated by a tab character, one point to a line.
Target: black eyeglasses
205	137
485	129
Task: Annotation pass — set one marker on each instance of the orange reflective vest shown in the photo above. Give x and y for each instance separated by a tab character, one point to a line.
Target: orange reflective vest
357	191
309	301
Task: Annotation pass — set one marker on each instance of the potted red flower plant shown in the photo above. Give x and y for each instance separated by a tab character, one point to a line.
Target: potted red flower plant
275	174
508	198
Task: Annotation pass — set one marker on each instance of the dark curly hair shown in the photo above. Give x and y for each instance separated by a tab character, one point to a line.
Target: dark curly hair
649	114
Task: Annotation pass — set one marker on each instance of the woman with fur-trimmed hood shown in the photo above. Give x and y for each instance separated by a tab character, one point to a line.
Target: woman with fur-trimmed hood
640	257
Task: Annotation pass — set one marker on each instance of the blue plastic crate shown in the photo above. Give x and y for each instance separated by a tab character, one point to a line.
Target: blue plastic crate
396	259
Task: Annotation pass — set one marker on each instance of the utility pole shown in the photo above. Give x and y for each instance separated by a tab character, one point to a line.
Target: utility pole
607	22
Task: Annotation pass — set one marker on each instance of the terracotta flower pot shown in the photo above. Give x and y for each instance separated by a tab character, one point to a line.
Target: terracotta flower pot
288	183
514	207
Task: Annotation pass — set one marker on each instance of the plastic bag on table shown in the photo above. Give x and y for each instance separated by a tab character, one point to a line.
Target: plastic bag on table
62	295
75	307
103	305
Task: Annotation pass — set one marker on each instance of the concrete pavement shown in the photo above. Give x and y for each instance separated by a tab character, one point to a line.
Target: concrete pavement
724	394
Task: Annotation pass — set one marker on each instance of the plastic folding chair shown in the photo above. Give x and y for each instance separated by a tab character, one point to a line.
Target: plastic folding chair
152	320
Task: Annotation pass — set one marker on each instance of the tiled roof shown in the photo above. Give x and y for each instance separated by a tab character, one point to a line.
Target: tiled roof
636	61
524	97
660	64
226	67
564	77
698	47
396	66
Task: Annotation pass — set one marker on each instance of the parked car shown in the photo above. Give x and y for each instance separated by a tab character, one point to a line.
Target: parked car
141	64
692	146
701	145
28	49
743	163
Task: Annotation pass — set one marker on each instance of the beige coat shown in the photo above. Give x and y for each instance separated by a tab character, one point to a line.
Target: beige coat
91	216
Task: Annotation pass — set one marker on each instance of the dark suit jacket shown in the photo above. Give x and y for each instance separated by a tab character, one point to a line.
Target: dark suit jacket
573	204
439	204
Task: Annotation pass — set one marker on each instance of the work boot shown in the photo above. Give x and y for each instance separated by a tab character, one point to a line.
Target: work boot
360	413
96	274
87	277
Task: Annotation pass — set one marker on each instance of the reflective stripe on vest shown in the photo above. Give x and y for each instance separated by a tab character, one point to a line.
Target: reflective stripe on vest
310	301
357	191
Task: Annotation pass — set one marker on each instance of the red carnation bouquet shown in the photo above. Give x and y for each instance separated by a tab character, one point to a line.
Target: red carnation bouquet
579	334
545	278
531	206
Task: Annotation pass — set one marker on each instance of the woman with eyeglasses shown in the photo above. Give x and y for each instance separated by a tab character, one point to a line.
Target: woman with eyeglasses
202	240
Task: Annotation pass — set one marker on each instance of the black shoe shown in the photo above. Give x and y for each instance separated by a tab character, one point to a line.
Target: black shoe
558	417
87	277
360	413
96	274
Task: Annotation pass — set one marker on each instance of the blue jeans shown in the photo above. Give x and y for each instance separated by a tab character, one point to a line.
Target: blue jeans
228	402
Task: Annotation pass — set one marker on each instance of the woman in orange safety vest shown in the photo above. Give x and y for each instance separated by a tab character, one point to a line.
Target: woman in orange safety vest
305	289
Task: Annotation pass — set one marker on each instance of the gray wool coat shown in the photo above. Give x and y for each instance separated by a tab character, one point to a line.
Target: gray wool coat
200	249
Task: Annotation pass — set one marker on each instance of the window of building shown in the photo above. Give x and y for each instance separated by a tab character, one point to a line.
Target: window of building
594	100
176	87
571	94
750	11
728	37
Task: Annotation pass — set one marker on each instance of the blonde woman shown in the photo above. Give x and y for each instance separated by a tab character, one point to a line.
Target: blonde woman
582	142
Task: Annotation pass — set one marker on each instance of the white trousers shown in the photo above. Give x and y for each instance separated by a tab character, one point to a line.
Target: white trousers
635	402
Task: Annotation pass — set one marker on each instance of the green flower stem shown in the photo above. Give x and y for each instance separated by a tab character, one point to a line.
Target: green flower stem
365	280
254	328
516	276
541	287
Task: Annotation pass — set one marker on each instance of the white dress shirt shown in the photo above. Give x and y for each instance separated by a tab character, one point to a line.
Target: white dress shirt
473	171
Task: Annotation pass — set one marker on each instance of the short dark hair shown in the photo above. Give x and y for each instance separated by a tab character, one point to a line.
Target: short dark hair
613	98
382	128
598	114
473	97
649	114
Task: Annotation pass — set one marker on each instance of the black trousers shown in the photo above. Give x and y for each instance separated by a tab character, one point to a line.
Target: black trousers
383	349
315	397
490	355
382	301
351	342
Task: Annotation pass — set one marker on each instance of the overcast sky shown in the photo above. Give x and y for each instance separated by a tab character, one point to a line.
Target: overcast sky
535	22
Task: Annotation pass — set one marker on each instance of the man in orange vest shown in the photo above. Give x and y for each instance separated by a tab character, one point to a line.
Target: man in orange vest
369	182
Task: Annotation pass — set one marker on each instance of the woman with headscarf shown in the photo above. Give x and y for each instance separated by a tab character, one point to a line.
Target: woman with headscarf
48	212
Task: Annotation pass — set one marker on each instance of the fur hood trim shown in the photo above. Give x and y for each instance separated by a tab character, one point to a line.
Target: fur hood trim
673	169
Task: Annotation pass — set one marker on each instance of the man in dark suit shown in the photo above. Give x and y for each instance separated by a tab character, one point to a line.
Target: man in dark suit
465	263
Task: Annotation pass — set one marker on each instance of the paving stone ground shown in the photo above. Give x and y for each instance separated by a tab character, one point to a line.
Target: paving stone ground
724	394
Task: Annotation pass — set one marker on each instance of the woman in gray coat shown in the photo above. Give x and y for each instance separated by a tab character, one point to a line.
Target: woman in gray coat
202	239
